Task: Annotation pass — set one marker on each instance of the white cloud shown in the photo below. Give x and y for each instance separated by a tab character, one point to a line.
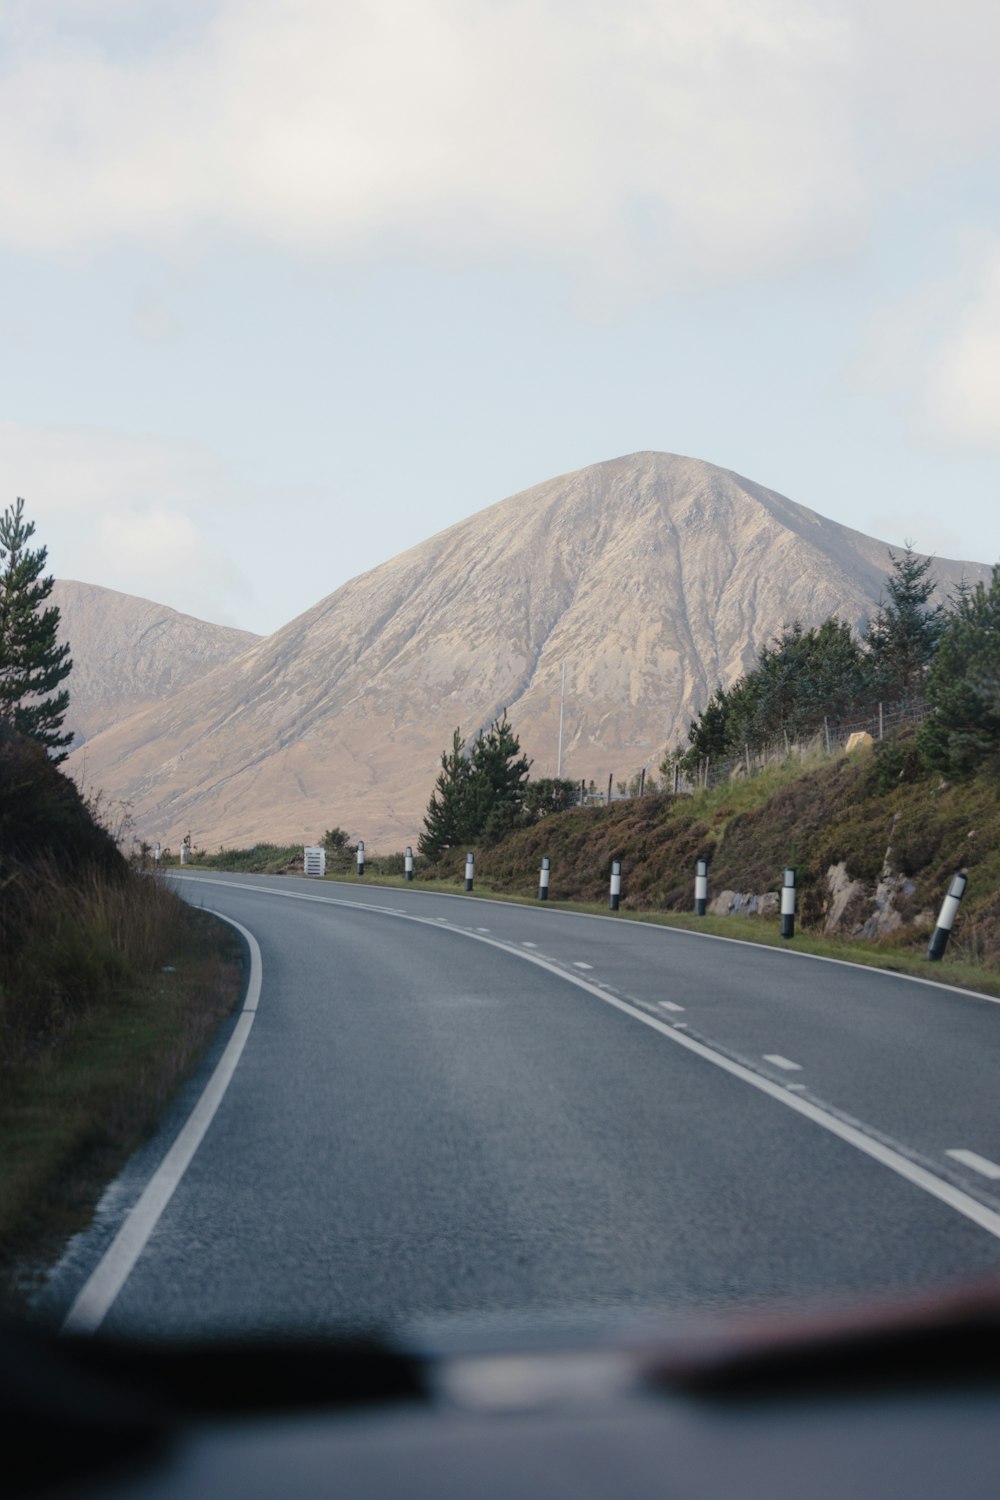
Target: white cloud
651	138
938	350
141	514
961	399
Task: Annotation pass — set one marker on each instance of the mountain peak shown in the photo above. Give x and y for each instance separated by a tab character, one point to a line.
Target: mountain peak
653	577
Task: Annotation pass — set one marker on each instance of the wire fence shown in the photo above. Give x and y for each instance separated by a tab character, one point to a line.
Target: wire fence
828	739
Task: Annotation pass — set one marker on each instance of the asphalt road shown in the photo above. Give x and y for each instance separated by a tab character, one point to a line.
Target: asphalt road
460	1108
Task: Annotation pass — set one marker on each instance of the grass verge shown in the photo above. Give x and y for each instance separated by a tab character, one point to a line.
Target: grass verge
78	1099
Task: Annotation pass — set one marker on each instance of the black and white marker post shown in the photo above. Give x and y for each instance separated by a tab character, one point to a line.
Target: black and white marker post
946	917
408	862
700	887
543	879
788	904
470	869
616	883
361	856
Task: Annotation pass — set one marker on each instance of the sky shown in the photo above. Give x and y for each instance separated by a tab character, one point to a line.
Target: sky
287	286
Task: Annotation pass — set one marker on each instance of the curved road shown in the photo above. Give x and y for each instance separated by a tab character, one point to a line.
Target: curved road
461	1107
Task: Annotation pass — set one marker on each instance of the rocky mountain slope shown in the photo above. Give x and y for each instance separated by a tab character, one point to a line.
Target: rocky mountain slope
653	577
129	653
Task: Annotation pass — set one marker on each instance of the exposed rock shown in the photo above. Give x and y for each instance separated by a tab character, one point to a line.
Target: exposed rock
843	893
129	653
744	904
885	917
652	577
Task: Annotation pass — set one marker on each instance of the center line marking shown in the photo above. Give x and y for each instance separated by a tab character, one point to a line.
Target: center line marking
669	1005
977	1163
782	1062
894	1158
482	929
529	945
583	966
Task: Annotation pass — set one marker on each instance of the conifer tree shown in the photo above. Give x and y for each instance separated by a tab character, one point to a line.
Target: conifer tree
498	773
446	820
32	663
903	636
962	732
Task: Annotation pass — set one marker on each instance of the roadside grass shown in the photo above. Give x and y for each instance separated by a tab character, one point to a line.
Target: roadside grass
113	994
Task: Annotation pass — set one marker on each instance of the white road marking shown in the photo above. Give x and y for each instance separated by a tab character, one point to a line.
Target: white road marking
482	929
669	1005
782	1062
680	1026
796	1086
583	966
529	945
977	1163
115	1266
851	1132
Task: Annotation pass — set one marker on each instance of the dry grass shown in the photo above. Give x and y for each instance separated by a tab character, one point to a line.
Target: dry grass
107	1001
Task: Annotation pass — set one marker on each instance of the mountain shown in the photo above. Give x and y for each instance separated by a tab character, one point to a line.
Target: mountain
130	653
653	577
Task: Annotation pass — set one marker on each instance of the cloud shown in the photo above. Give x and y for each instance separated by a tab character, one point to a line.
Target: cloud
654	139
937	350
142	514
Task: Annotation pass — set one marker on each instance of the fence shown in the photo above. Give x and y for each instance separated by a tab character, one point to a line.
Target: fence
829	739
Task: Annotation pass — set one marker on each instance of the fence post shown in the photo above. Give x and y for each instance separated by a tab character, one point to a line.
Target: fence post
361	856
746	751
826	731
408	862
470	866
946	916
642	783
610	778
700	887
543	879
788	904
677	779
616	883
881	722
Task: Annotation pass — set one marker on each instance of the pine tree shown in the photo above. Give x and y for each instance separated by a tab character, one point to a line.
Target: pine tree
963	688
903	637
498	773
32	663
447	818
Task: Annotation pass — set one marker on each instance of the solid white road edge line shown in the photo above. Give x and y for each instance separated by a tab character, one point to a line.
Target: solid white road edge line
976	1162
106	1281
920	1176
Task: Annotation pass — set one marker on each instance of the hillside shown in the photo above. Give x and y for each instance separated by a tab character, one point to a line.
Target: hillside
875	840
129	653
652	577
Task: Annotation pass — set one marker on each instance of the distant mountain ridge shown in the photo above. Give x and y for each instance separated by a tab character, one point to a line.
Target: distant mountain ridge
653	577
130	653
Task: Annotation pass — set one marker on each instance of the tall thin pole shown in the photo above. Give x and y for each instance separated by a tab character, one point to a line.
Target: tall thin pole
562	700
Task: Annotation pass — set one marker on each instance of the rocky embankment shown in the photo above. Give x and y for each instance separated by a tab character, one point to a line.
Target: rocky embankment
873	838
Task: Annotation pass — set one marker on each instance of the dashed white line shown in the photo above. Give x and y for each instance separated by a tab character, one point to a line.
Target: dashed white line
669	1005
482	929
583	966
529	945
782	1062
895	1159
680	1026
796	1088
978	1163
